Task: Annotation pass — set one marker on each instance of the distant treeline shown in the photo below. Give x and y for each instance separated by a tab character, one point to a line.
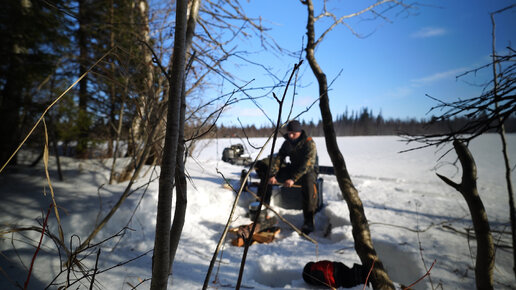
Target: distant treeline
364	123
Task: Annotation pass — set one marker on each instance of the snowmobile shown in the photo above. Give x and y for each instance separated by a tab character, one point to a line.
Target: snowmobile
235	155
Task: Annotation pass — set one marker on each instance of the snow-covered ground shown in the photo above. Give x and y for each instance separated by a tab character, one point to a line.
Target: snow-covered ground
400	192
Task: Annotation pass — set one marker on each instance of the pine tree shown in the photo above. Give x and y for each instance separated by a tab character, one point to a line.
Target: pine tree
33	35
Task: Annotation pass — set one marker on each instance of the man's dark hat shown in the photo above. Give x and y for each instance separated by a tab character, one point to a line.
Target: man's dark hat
294	126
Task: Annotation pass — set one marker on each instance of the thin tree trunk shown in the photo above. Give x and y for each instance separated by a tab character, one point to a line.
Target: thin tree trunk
361	234
53	134
161	258
468	188
112	87
193	15
82	120
180	177
56	152
181	190
512	211
117	140
501	132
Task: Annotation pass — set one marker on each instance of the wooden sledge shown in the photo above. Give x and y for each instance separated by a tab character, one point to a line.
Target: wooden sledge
265	237
262	236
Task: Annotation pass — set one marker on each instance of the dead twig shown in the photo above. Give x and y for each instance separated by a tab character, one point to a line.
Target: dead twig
466	234
95	270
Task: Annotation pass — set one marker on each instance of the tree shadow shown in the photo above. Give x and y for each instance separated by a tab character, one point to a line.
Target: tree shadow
15	264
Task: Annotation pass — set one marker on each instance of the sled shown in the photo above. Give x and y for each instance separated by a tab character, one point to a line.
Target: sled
264	232
264	237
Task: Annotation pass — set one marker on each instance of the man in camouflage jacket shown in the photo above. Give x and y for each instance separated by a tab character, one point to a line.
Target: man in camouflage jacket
294	164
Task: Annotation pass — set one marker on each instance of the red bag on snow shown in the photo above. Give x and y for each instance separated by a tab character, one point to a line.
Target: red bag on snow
334	274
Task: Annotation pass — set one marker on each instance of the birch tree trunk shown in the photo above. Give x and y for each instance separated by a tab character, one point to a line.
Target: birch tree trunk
144	101
361	234
148	110
161	258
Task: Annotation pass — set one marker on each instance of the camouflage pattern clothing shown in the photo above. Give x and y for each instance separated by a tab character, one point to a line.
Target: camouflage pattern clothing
302	154
295	160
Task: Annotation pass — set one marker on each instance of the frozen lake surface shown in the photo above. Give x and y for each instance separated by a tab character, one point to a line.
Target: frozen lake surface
415	219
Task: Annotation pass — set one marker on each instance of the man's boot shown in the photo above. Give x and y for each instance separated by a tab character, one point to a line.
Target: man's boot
308	225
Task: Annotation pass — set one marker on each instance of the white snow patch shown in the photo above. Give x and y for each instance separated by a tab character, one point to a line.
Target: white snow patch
400	194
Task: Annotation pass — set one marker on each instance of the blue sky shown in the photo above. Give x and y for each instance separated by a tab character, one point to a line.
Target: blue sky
391	70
